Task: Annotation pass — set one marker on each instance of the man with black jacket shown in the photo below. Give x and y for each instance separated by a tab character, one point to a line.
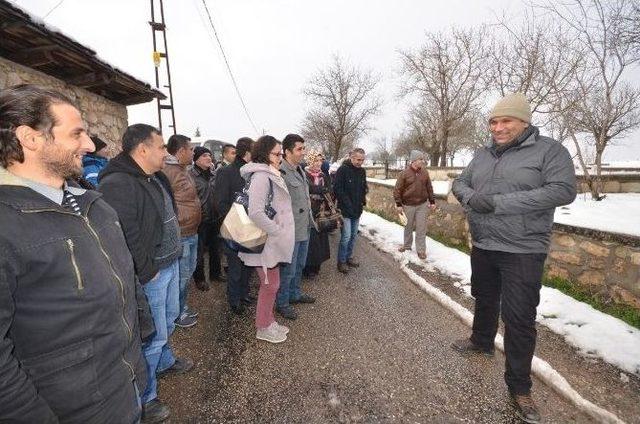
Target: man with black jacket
229	182
209	229
350	188
141	195
69	333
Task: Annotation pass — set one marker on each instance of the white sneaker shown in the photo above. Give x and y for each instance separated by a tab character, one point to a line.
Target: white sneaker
281	328
271	334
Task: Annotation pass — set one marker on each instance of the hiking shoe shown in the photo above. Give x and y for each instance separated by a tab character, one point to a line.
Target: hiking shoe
304	298
467	346
202	285
154	412
190	312
271	334
422	256
352	263
343	268
526	408
186	321
239	310
180	366
287	312
282	328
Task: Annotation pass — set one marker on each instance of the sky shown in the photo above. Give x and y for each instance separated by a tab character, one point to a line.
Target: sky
273	48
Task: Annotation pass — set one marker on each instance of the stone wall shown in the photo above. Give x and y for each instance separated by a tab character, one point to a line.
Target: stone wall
604	264
103	118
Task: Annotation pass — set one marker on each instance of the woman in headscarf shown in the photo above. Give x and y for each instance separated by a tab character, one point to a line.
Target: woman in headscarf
319	186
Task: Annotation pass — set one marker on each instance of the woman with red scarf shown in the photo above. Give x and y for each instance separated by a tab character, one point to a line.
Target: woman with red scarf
319	185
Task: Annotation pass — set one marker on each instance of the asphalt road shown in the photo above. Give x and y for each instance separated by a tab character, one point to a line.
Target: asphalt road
373	349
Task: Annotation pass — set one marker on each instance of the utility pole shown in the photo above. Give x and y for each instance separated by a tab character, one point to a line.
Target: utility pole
157	59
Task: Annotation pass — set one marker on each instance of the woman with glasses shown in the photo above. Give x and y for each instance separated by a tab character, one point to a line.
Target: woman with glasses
267	190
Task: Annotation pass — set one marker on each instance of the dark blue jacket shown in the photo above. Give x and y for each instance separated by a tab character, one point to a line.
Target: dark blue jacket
350	188
92	166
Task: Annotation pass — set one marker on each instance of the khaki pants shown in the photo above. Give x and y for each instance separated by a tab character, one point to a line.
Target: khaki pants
416	219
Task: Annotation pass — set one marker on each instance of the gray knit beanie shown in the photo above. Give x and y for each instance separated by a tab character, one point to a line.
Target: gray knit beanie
415	155
514	105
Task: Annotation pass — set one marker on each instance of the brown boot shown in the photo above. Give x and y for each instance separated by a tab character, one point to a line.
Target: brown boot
422	256
526	408
343	268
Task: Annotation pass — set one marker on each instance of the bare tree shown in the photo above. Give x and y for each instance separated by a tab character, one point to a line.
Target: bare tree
447	73
343	102
529	55
603	105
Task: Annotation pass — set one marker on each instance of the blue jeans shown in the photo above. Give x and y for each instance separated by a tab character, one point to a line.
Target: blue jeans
163	297
188	262
291	275
347	238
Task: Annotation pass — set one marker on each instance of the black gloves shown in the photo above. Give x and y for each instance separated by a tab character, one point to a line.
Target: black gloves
482	203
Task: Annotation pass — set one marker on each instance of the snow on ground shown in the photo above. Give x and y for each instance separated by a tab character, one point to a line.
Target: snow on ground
441	188
617	213
592	332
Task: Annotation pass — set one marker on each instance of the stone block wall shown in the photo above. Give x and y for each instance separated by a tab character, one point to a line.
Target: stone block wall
103	118
604	264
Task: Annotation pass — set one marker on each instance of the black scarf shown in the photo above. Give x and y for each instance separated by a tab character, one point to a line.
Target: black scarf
499	149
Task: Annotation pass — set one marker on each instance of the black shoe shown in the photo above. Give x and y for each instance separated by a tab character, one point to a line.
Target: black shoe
526	408
239	310
352	263
249	300
304	298
185	321
467	346
180	366
343	268
202	285
287	312
154	412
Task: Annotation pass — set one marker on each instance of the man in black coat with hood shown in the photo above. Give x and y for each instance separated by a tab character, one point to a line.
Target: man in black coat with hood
134	186
228	183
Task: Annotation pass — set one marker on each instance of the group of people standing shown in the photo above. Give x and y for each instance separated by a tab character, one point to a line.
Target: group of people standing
94	282
120	248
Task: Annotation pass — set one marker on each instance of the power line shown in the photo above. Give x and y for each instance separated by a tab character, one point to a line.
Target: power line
52	9
224	56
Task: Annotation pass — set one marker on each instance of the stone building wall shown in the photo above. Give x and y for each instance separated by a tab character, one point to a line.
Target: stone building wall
103	118
604	264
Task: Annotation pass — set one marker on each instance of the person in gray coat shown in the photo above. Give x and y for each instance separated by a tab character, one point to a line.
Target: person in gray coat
296	180
267	187
510	191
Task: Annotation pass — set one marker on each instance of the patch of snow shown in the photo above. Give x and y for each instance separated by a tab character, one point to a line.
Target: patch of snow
440	188
592	332
616	213
388	235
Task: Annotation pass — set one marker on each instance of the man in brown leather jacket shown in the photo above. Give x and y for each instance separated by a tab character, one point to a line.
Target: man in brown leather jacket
413	190
189	216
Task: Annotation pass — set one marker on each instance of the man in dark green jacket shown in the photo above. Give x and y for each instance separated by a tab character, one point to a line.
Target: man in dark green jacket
69	335
510	191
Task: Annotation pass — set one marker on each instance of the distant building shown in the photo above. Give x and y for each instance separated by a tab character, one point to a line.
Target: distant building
33	52
214	145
